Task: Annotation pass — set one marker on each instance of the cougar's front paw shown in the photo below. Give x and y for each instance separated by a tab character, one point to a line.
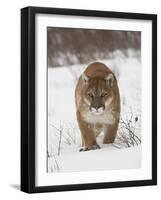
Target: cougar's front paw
93	147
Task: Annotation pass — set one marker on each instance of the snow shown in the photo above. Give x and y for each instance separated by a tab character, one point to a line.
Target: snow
63	132
106	158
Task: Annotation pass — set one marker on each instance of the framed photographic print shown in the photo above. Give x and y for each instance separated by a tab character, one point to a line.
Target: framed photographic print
88	99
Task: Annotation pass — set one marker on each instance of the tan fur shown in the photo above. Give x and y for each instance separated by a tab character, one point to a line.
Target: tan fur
97	105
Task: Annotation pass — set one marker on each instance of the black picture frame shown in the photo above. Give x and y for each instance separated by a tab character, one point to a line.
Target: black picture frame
28	91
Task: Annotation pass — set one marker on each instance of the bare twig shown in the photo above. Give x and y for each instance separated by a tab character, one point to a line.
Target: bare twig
127	131
60	139
56	163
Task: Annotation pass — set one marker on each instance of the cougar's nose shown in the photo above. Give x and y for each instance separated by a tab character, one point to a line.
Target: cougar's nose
97	109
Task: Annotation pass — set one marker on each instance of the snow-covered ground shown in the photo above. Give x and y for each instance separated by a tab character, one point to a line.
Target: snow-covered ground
63	132
106	158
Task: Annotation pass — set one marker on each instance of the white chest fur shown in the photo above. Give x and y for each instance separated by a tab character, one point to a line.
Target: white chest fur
105	118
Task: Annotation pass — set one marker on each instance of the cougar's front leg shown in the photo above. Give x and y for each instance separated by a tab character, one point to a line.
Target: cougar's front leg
87	134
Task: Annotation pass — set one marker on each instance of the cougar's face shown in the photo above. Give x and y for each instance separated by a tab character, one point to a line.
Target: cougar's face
97	95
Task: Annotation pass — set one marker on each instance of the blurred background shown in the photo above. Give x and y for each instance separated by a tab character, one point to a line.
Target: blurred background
68	46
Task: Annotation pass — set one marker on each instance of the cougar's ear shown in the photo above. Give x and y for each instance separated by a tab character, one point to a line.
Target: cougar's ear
110	79
85	77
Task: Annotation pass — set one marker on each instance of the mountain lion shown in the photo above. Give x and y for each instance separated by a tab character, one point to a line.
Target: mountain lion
97	101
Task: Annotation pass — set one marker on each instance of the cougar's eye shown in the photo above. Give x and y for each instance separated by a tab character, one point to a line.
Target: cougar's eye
103	95
90	95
